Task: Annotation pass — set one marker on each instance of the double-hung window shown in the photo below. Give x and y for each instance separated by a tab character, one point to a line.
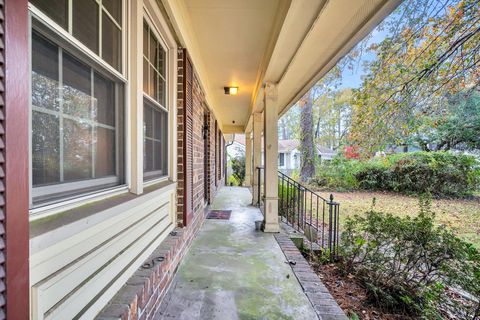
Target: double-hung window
77	102
155	110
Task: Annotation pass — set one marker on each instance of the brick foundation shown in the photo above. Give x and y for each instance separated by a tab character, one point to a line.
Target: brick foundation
140	297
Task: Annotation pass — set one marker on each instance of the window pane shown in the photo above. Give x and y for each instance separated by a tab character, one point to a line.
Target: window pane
111	43
158	155
104	152
148	155
145	38
57	10
161	62
85	23
145	75
165	143
114	7
156	146
161	91
45	148
148	121
153	55
157	124
77	146
104	103
152	83
76	87
44	73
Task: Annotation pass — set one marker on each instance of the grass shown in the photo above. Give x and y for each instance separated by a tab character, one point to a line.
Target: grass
460	215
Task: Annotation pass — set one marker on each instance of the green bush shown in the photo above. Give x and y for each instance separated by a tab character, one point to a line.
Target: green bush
411	265
442	174
438	173
337	174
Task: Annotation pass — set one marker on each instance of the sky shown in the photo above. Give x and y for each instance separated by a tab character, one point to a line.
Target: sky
353	78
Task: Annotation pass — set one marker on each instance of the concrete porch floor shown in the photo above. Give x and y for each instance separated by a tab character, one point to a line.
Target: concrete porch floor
233	272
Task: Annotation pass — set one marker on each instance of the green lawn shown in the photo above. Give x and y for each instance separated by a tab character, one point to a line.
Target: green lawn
462	216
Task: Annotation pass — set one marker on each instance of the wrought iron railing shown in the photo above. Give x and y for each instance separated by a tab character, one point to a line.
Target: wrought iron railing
260	186
306	211
309	213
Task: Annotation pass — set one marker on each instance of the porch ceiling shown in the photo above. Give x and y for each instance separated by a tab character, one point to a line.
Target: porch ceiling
246	43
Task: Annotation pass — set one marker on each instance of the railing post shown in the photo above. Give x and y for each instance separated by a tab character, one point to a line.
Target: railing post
259	186
330	225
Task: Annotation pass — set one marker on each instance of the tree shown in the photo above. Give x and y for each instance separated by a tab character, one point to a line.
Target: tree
333	120
238	168
307	148
457	128
432	52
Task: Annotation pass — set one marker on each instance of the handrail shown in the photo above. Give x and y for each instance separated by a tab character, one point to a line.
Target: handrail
310	214
306	189
301	208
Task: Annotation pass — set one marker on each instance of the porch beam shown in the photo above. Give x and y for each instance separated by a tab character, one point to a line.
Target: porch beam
257	153
248	160
270	132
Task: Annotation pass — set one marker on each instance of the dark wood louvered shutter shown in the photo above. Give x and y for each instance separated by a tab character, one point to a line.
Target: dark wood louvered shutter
188	139
14	148
215	175
2	170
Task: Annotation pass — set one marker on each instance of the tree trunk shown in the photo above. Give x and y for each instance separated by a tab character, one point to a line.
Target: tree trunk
307	148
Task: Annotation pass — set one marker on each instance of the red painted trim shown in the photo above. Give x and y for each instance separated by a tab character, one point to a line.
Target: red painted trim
16	158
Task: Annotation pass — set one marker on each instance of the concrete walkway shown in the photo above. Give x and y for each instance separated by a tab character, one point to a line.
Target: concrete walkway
233	272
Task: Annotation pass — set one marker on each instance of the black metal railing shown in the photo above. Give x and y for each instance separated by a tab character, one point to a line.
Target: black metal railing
260	186
309	213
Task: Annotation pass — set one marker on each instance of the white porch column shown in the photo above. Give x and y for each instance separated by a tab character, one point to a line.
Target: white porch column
270	132
257	153
248	160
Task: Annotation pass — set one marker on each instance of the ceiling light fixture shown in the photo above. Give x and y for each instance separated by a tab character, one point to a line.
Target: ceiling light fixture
231	90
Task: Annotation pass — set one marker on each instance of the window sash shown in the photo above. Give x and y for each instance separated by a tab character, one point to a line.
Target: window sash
150	101
145	57
164	139
68	31
61	190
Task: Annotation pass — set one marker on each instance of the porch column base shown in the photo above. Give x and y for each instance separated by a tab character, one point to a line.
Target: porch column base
271	215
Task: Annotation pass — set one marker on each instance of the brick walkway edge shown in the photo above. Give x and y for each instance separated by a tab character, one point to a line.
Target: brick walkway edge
322	301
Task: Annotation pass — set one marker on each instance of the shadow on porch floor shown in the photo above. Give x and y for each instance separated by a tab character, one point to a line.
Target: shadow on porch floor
233	272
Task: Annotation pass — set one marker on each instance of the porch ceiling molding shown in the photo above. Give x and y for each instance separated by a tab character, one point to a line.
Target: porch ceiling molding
247	43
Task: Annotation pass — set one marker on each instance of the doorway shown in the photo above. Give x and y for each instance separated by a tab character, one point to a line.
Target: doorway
206	149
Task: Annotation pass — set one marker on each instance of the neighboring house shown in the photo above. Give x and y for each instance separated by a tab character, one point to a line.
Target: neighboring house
289	157
236	148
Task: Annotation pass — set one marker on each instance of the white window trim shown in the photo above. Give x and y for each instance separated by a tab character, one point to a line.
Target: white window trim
50	209
158	24
54	207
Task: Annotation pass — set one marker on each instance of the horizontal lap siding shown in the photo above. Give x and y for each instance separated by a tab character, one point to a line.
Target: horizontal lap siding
78	275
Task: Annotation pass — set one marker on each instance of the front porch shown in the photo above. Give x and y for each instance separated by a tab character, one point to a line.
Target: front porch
234	272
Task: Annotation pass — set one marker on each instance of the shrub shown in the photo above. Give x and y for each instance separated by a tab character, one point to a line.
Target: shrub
442	174
409	264
337	174
438	173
